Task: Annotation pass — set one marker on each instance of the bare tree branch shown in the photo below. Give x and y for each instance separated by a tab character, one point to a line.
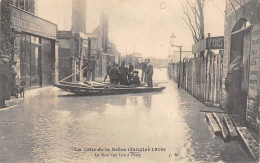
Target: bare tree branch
194	18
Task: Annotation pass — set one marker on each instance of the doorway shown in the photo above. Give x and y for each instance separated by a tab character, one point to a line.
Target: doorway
35	62
240	46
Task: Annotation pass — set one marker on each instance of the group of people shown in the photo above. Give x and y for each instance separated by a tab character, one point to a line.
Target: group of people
128	75
7	79
120	74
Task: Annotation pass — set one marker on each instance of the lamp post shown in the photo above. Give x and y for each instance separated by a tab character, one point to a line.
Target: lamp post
172	37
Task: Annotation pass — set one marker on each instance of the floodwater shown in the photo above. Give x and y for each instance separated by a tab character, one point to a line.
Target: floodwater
55	126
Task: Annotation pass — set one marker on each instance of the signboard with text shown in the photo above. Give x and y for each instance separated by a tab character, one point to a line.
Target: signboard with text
208	44
32	24
215	43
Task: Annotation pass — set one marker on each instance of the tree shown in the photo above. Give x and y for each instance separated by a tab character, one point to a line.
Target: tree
194	17
7	40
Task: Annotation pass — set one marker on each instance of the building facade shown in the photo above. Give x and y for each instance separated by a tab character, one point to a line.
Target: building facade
72	50
242	37
35	46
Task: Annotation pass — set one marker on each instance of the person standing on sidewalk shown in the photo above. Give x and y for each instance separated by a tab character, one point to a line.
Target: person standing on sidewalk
4	80
91	68
13	74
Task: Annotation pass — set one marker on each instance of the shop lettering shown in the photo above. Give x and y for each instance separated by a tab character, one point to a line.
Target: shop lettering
215	43
254	42
254	52
253	73
253	62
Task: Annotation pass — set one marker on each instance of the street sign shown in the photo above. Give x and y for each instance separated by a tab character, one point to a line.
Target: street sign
208	43
215	43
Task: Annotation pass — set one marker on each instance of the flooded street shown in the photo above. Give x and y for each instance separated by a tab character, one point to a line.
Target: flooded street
55	126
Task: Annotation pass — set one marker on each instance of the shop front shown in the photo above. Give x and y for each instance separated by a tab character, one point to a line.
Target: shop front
35	48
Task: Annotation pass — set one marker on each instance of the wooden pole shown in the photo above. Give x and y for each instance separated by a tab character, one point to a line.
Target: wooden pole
89	48
180	47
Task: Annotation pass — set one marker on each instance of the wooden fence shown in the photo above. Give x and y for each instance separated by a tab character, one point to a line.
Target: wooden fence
201	77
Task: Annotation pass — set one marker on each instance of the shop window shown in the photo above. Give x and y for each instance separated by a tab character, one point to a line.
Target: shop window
26	5
21	4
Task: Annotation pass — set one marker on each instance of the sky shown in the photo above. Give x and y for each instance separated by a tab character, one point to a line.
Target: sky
141	25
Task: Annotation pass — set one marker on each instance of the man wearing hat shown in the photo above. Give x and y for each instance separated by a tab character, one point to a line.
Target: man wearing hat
4	80
91	68
135	80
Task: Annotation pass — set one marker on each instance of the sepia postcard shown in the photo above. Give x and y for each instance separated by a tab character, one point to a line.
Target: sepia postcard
136	81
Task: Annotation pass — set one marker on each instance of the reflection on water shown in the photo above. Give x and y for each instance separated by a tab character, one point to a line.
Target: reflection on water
48	128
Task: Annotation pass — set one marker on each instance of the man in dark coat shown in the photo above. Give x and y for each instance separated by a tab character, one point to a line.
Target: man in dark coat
130	70
91	68
135	80
233	82
13	74
144	68
5	91
85	68
150	75
123	74
108	68
114	74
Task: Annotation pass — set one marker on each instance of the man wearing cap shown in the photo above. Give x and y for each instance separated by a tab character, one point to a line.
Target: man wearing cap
4	80
91	68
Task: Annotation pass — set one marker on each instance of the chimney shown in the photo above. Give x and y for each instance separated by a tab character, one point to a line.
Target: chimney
79	16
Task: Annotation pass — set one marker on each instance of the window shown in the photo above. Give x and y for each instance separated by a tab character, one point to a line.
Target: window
21	4
26	5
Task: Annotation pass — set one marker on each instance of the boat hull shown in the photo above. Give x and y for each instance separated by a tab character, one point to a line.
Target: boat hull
88	91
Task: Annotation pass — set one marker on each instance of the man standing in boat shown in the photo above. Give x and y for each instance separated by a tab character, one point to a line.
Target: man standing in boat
108	68
91	68
114	74
150	75
85	68
123	74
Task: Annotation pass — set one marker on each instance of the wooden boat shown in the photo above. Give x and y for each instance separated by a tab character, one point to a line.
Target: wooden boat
97	89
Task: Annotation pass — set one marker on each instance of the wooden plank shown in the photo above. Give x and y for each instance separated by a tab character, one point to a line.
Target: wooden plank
209	111
224	131
212	122
230	126
249	141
